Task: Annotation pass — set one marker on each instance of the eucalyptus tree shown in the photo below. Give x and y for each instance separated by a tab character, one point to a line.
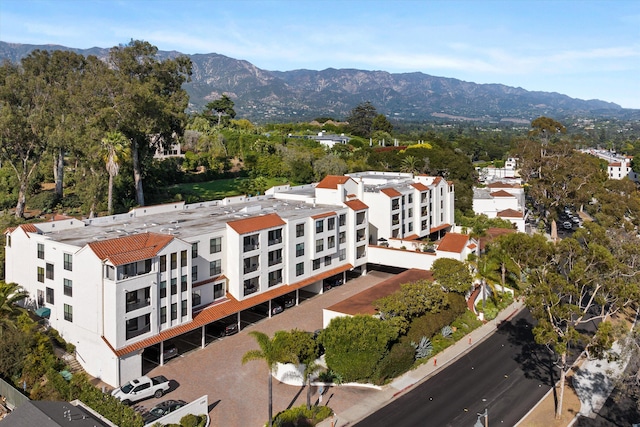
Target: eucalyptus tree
24	97
587	279
148	101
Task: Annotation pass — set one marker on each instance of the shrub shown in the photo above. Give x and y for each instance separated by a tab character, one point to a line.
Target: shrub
430	324
44	200
300	416
396	362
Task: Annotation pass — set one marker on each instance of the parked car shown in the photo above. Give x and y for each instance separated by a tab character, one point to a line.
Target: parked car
142	388
162	409
287	301
567	225
223	329
264	308
169	351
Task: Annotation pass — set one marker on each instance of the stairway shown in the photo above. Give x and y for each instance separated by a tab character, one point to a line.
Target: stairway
74	365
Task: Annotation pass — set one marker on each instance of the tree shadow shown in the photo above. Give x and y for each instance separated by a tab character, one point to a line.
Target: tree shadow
293	401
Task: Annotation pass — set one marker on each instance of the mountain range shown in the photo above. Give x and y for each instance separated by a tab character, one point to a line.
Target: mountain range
302	95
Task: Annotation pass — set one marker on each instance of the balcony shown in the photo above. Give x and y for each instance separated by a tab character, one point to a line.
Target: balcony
248	290
251	247
275	261
250	268
132	333
134	305
275	241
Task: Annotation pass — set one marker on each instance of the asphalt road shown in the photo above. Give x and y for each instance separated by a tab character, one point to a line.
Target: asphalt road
507	375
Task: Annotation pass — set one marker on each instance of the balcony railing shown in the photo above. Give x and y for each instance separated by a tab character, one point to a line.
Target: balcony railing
250	268
252	247
138	332
134	305
250	290
275	261
275	241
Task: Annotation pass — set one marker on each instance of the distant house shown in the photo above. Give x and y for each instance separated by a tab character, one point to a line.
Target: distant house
622	168
329	140
55	414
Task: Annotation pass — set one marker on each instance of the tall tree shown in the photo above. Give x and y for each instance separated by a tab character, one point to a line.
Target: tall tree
115	149
23	118
587	280
149	101
271	351
222	107
451	274
361	119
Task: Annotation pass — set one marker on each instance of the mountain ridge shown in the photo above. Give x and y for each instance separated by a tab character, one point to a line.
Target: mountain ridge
301	95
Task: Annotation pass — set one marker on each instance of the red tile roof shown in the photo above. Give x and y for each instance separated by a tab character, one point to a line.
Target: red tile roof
256	223
438	228
27	228
615	164
221	309
126	249
493	233
501	193
323	215
411	237
509	213
356	205
332	181
501	184
419	186
362	303
472	246
453	242
391	192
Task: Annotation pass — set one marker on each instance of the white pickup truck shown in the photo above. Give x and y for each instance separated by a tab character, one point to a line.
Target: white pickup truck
141	388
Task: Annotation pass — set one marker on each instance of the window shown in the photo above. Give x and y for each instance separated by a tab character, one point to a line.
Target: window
360	216
68	313
41	250
342	253
251	286
49	293
410	213
183	308
299	249
174	261
316	264
110	272
163	289
275	236
194	250
183	283
275	257
183	258
174	285
327	260
342	237
331	242
300	269
395	204
299	230
68	287
215	267
410	227
275	277
319	245
395	219
319	226
251	243
68	262
342	220
196	299
163	263
174	311
49	271
194	273
215	245
41	274
9	240
410	198
331	223
218	290
163	314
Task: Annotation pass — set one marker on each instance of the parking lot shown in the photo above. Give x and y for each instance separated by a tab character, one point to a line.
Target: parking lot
238	394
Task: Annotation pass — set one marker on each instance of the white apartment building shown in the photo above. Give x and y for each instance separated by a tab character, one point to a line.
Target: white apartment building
118	284
503	200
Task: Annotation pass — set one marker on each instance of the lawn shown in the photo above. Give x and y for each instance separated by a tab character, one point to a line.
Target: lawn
214	190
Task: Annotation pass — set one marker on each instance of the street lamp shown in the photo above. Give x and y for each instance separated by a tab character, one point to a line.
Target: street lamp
484	414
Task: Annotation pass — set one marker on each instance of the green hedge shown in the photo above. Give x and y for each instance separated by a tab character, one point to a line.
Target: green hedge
396	362
300	416
430	324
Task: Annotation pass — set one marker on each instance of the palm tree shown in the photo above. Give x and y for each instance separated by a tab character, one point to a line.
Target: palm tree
115	148
409	164
271	353
10	294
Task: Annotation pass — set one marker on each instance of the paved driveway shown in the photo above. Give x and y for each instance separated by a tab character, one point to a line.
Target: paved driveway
238	394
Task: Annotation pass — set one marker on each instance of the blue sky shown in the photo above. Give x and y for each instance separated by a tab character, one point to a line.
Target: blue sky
581	48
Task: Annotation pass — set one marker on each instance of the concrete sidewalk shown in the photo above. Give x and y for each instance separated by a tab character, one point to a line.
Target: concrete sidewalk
411	379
